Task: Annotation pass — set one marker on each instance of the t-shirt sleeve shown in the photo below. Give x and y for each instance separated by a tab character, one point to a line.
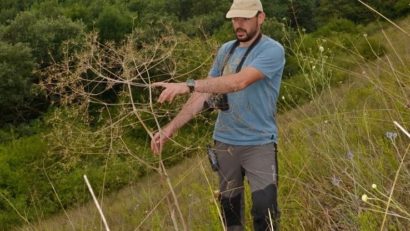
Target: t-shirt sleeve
269	60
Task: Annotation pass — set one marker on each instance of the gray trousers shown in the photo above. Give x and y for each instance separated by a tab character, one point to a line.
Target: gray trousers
259	164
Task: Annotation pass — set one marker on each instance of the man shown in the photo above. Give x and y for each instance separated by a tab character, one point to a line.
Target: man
248	71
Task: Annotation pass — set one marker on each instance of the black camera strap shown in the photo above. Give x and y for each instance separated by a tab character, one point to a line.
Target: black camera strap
222	101
232	50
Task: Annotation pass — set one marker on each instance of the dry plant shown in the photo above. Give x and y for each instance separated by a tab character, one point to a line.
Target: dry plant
332	149
102	90
344	138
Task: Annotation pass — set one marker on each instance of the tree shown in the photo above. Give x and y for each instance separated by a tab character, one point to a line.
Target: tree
10	8
113	24
43	40
298	13
44	35
352	10
16	67
402	7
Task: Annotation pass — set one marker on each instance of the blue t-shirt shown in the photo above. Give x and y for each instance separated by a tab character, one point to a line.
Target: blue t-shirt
251	118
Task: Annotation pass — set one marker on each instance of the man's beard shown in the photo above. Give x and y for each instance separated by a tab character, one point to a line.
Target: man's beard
249	35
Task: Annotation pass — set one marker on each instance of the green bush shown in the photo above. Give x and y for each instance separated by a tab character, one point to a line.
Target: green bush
16	67
43	173
10	8
335	26
11	132
113	24
46	36
401	7
21	179
371	48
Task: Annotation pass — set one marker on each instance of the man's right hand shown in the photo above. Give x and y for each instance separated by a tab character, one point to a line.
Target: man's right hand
171	90
159	139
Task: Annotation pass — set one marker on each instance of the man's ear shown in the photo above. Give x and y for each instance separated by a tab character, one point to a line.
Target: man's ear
261	17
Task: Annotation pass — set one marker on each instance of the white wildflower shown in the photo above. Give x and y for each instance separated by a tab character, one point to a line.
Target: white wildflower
391	135
336	180
350	155
321	48
364	198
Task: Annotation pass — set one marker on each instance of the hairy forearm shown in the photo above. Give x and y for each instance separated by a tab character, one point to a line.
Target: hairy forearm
192	107
223	84
229	83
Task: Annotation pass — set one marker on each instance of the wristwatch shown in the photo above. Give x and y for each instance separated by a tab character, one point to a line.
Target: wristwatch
191	84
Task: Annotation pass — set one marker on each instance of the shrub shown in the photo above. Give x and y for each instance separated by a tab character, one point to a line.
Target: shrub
21	179
337	25
46	36
113	24
16	67
371	48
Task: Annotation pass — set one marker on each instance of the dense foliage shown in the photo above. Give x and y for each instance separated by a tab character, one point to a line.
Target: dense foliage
44	26
65	98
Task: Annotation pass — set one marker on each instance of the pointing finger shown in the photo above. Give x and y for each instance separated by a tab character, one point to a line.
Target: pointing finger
156	143
158	84
166	96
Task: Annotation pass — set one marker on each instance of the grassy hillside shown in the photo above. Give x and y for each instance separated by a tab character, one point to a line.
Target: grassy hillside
344	165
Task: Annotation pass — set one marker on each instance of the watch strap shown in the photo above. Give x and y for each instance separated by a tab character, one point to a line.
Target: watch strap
191	84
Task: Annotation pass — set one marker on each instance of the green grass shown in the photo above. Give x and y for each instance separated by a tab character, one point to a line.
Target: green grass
332	149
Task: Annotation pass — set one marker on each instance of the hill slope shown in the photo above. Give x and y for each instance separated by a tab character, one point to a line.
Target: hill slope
333	150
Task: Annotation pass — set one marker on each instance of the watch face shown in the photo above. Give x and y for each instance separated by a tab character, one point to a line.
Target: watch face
191	84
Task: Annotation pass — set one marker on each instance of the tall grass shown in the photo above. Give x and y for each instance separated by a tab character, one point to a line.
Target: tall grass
343	163
343	142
